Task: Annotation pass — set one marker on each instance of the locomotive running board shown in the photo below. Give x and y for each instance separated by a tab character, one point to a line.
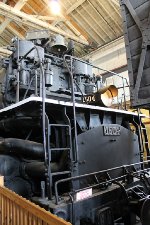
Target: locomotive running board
35	100
16	210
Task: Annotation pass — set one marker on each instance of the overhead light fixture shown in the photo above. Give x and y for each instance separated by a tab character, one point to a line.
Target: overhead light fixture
55	7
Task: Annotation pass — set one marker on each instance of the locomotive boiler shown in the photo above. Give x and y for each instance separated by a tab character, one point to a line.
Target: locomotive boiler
61	146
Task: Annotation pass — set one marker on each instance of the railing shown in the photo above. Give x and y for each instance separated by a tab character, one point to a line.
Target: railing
98	71
15	210
126	171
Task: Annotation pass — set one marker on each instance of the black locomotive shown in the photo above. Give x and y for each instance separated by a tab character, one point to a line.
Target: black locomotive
60	147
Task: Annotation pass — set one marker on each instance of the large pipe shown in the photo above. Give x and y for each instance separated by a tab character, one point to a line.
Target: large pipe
37	169
24	148
34	151
19	123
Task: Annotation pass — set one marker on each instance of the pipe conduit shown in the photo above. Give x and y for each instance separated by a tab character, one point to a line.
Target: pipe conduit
24	148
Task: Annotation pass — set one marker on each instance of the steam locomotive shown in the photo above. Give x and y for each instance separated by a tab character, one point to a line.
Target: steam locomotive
61	145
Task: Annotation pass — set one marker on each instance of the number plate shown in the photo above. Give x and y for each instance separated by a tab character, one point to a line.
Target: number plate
81	195
88	99
112	131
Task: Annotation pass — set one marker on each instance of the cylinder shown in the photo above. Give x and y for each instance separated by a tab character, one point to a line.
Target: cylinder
89	88
24	77
24	47
89	70
82	68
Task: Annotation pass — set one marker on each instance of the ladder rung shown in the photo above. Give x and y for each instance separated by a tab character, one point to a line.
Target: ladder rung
61	173
59	149
59	125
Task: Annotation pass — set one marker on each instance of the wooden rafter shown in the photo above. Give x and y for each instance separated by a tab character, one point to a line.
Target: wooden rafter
96	33
116	2
70	23
7	21
80	25
76	26
75	6
23	17
45	18
116	9
12	29
116	25
5	51
102	30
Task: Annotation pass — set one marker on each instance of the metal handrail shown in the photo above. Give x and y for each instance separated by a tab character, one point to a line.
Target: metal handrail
99	172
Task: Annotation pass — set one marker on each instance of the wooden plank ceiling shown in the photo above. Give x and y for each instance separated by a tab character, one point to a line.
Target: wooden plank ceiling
93	23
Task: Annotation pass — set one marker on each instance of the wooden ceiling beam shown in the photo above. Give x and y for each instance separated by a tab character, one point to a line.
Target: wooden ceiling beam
3	42
4	25
70	23
116	9
76	26
75	6
23	17
19	5
116	2
47	17
14	31
82	28
4	51
97	35
101	31
6	22
75	31
115	22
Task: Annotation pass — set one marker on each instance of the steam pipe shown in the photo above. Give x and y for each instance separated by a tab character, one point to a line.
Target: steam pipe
32	150
37	169
21	147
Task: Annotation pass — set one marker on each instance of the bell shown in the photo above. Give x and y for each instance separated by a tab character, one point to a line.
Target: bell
106	94
58	45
